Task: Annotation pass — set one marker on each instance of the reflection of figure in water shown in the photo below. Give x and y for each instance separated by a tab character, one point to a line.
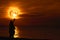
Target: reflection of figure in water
11	28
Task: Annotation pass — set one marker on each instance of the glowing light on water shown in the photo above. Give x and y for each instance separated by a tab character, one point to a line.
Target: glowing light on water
16	35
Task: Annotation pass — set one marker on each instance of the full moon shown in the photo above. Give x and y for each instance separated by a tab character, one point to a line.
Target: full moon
13	12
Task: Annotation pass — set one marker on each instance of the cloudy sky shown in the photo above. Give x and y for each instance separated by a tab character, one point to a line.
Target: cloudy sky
40	18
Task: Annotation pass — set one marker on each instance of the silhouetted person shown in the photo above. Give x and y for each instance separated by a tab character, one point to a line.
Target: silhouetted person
11	28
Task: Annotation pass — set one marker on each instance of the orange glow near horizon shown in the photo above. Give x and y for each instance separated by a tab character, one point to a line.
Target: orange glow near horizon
13	12
16	35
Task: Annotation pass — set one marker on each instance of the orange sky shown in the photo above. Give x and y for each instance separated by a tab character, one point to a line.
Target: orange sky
40	19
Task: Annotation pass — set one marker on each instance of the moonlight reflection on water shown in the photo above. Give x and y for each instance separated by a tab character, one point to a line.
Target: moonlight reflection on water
16	35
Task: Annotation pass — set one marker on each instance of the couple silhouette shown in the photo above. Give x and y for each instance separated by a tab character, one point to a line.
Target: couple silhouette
12	28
